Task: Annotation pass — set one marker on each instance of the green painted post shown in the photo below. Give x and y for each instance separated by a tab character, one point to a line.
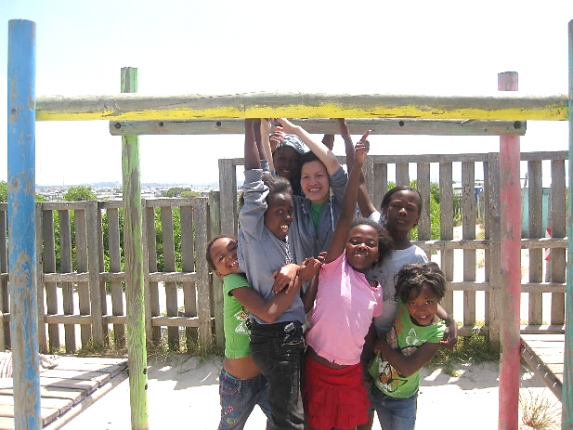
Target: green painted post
135	297
567	394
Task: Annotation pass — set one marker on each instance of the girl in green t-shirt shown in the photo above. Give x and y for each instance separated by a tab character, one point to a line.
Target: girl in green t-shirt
410	344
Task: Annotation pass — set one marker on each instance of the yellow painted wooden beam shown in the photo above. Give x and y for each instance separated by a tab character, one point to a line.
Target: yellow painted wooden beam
505	106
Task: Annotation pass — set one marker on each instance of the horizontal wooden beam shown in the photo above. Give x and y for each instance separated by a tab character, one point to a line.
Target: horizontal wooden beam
506	106
388	126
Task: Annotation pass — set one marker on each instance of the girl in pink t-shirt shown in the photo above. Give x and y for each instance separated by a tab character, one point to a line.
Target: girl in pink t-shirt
334	394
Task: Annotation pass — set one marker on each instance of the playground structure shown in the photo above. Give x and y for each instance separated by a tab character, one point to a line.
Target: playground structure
24	109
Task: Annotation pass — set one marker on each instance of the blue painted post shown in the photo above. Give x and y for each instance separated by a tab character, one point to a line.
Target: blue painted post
21	223
567	394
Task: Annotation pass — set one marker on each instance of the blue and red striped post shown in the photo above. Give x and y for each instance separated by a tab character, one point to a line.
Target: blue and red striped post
21	222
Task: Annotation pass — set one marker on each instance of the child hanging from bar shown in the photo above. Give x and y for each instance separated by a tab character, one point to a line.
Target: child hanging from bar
277	348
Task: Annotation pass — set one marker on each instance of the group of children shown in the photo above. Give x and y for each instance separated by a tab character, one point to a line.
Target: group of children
315	299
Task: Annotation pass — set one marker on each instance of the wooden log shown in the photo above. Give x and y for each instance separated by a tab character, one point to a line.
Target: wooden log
379	126
510	270
135	295
535	190
67	287
296	105
21	222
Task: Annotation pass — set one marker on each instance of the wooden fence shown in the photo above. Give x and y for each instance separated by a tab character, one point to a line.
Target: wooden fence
472	294
73	309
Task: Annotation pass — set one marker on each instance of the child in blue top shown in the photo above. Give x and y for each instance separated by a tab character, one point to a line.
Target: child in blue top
241	384
409	345
277	348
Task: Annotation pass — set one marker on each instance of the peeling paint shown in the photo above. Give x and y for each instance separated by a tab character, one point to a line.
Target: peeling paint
331	110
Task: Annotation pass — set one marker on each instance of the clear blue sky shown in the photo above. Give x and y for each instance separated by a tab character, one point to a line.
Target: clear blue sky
226	46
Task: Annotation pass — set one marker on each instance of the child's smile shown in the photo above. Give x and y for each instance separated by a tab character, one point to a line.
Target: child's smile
423	307
362	247
278	216
224	256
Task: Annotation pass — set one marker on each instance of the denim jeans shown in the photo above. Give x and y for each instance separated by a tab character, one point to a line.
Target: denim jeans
238	399
278	350
393	413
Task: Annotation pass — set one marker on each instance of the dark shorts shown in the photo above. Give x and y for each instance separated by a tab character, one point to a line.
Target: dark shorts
238	399
277	349
334	398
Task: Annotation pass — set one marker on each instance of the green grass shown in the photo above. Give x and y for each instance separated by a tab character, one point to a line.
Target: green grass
538	412
473	349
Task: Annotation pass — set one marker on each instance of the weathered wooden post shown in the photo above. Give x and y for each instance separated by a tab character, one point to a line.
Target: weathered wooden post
510	204
567	394
22	223
135	298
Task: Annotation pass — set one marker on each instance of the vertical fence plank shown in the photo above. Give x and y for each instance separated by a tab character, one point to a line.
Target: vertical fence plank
510	199
94	273
493	233
204	295
557	263
51	287
135	294
102	286
380	184
188	265
447	230
153	287
66	267
42	338
469	233
228	190
217	289
82	267
424	225
368	173
535	191
21	223
114	267
169	266
402	174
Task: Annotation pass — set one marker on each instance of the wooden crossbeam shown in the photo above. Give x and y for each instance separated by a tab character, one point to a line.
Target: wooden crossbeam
387	126
505	106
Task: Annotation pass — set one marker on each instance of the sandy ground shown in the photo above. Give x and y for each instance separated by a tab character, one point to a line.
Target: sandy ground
183	393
